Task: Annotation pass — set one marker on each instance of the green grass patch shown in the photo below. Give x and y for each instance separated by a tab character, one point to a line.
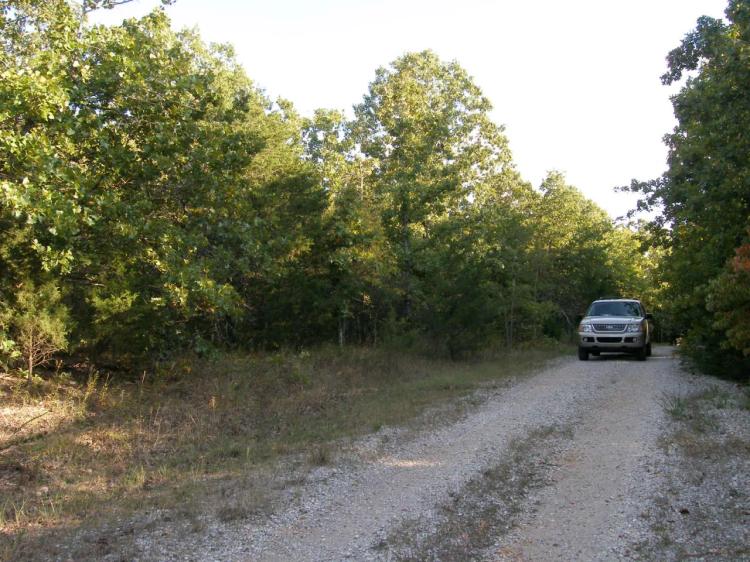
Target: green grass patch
674	405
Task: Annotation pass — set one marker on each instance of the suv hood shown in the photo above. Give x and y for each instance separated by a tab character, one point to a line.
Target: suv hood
612	320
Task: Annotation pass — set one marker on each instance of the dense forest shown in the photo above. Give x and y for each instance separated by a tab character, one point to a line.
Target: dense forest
153	200
703	199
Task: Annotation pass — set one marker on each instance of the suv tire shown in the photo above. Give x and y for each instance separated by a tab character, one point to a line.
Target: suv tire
583	354
641	354
648	350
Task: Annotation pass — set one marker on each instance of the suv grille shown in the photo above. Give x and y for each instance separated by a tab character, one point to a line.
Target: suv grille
609	327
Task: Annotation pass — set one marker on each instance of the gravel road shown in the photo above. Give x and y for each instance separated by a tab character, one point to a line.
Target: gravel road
571	454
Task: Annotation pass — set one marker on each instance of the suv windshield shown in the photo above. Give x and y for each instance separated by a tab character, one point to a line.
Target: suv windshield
615	308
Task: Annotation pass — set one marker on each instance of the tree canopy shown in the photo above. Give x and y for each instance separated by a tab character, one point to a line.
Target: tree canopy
703	198
159	202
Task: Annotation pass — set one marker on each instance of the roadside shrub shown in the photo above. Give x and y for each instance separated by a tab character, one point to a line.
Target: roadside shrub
705	352
38	325
8	349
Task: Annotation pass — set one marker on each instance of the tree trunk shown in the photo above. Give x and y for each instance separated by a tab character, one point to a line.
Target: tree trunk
342	331
537	274
512	311
407	273
31	358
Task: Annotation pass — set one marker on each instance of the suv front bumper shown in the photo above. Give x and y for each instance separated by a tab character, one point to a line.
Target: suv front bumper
592	341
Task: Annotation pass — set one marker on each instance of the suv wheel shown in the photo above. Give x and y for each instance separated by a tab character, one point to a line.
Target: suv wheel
648	350
583	354
641	353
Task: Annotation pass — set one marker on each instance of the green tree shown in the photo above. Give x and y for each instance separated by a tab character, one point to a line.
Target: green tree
498	224
179	208
353	246
570	250
146	172
8	347
729	300
425	125
704	197
39	324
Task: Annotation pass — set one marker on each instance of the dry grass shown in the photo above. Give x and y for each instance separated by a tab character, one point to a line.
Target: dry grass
485	508
72	451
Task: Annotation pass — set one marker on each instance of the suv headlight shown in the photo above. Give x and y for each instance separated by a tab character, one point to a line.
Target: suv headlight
585	328
633	327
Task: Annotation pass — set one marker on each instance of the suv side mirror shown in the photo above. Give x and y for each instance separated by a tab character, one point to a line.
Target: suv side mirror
579	317
649	316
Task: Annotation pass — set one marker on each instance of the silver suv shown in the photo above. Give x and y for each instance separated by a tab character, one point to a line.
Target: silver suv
615	325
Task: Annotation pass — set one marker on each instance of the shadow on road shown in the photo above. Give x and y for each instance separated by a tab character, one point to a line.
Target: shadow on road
659	353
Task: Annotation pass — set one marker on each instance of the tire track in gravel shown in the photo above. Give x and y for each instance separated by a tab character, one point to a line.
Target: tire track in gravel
593	510
612	404
349	515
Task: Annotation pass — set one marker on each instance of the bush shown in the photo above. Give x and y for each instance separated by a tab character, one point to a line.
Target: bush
38	326
8	349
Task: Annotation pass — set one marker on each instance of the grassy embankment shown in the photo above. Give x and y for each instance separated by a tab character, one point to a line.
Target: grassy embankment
73	451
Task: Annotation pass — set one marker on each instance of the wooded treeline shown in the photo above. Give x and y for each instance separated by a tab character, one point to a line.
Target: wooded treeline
153	200
703	225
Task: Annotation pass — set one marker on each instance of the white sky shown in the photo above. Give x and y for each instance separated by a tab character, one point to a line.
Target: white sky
575	82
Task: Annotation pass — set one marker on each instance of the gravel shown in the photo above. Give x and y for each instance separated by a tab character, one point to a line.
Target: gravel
701	508
605	478
598	475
